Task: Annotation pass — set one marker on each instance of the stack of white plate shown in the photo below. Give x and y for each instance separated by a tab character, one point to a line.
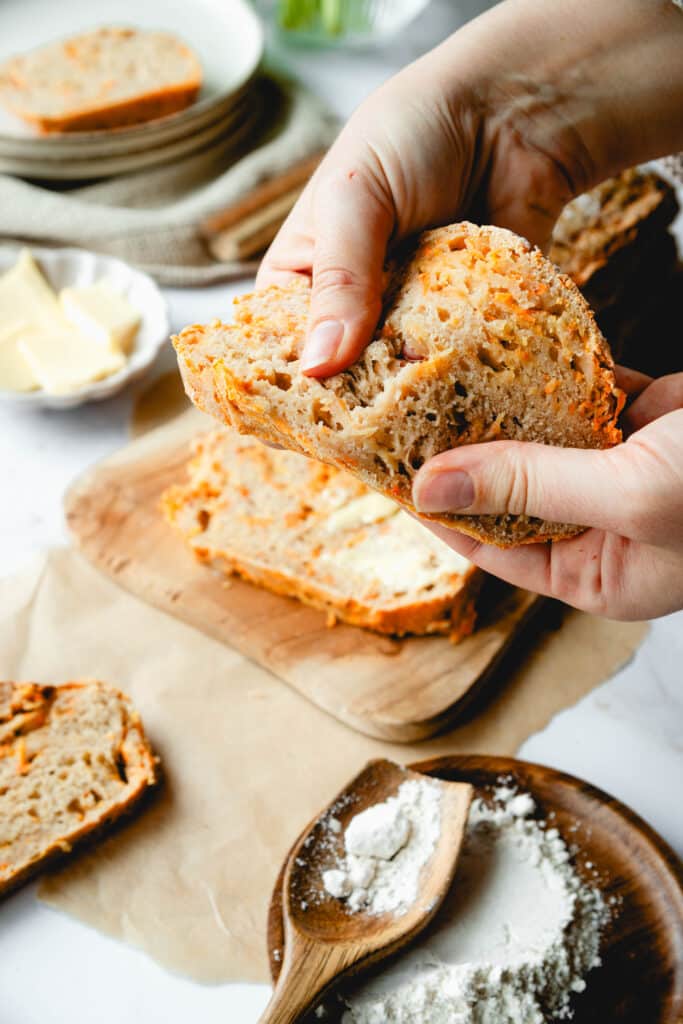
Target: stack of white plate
226	36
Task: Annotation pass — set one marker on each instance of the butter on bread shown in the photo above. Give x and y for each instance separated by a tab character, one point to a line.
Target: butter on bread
310	531
73	759
105	78
509	347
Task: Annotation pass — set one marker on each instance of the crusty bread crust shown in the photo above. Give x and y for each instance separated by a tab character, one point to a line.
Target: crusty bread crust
510	350
280	501
47	87
30	715
137	110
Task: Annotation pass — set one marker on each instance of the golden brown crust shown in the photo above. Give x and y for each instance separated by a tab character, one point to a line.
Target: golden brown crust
26	708
453	615
118	115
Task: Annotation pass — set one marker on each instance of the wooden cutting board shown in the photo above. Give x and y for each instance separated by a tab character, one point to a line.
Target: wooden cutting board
402	690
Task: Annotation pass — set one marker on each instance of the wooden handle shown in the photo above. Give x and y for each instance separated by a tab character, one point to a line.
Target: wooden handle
261	196
254	233
307	970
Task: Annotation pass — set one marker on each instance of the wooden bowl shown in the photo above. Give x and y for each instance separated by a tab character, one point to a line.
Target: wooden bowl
641	978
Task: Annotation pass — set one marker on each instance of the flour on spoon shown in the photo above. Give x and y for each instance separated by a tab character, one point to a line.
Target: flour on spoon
514	938
387	846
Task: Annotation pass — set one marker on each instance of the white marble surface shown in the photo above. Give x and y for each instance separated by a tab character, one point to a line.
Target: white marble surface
627	736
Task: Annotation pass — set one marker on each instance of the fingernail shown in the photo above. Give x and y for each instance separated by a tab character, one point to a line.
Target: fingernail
322	345
444	491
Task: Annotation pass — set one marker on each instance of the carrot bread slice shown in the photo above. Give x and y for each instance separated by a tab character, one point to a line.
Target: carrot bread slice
616	235
73	759
506	347
311	531
105	78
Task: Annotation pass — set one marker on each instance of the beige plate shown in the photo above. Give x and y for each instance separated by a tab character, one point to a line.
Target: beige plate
234	127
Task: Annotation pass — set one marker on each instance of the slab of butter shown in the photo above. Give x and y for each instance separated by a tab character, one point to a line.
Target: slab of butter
63	361
401	554
41	347
371	508
25	295
15	373
102	314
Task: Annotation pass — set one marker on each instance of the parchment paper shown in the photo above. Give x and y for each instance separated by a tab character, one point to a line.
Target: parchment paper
247	761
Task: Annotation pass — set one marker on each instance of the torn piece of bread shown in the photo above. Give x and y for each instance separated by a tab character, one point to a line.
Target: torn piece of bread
508	346
105	78
73	759
308	530
615	235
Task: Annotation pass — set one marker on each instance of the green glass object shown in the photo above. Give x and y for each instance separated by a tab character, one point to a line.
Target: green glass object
352	21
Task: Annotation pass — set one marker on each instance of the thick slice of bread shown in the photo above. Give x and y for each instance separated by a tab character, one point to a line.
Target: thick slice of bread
73	759
605	239
509	349
308	530
105	78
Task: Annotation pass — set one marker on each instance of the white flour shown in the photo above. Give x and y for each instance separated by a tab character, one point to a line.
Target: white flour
386	848
513	941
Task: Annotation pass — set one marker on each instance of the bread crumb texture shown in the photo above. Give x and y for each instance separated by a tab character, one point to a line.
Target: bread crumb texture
73	758
106	78
314	532
481	339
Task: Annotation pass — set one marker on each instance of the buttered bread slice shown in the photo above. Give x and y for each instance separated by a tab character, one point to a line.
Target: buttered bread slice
73	759
308	530
481	339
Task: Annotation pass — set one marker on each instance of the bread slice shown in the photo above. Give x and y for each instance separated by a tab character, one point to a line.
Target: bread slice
605	239
508	346
311	531
73	759
106	78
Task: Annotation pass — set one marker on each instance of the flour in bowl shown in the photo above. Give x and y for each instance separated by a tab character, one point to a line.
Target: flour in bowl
387	846
513	941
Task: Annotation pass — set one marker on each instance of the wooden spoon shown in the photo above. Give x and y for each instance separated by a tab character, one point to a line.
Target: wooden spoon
323	939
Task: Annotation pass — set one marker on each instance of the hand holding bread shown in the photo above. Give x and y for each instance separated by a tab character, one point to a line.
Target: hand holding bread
454	135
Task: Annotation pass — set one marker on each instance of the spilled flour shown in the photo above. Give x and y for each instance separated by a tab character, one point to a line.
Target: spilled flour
387	846
513	941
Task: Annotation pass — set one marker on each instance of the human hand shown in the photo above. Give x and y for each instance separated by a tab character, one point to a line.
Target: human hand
629	565
503	123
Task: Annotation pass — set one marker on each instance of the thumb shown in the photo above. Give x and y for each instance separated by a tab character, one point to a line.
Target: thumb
353	222
606	489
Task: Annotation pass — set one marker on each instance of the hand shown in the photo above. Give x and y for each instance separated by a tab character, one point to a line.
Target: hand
503	123
630	564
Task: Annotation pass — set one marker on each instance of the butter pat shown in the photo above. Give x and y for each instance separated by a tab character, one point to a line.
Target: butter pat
15	373
102	314
371	508
400	555
25	294
63	361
